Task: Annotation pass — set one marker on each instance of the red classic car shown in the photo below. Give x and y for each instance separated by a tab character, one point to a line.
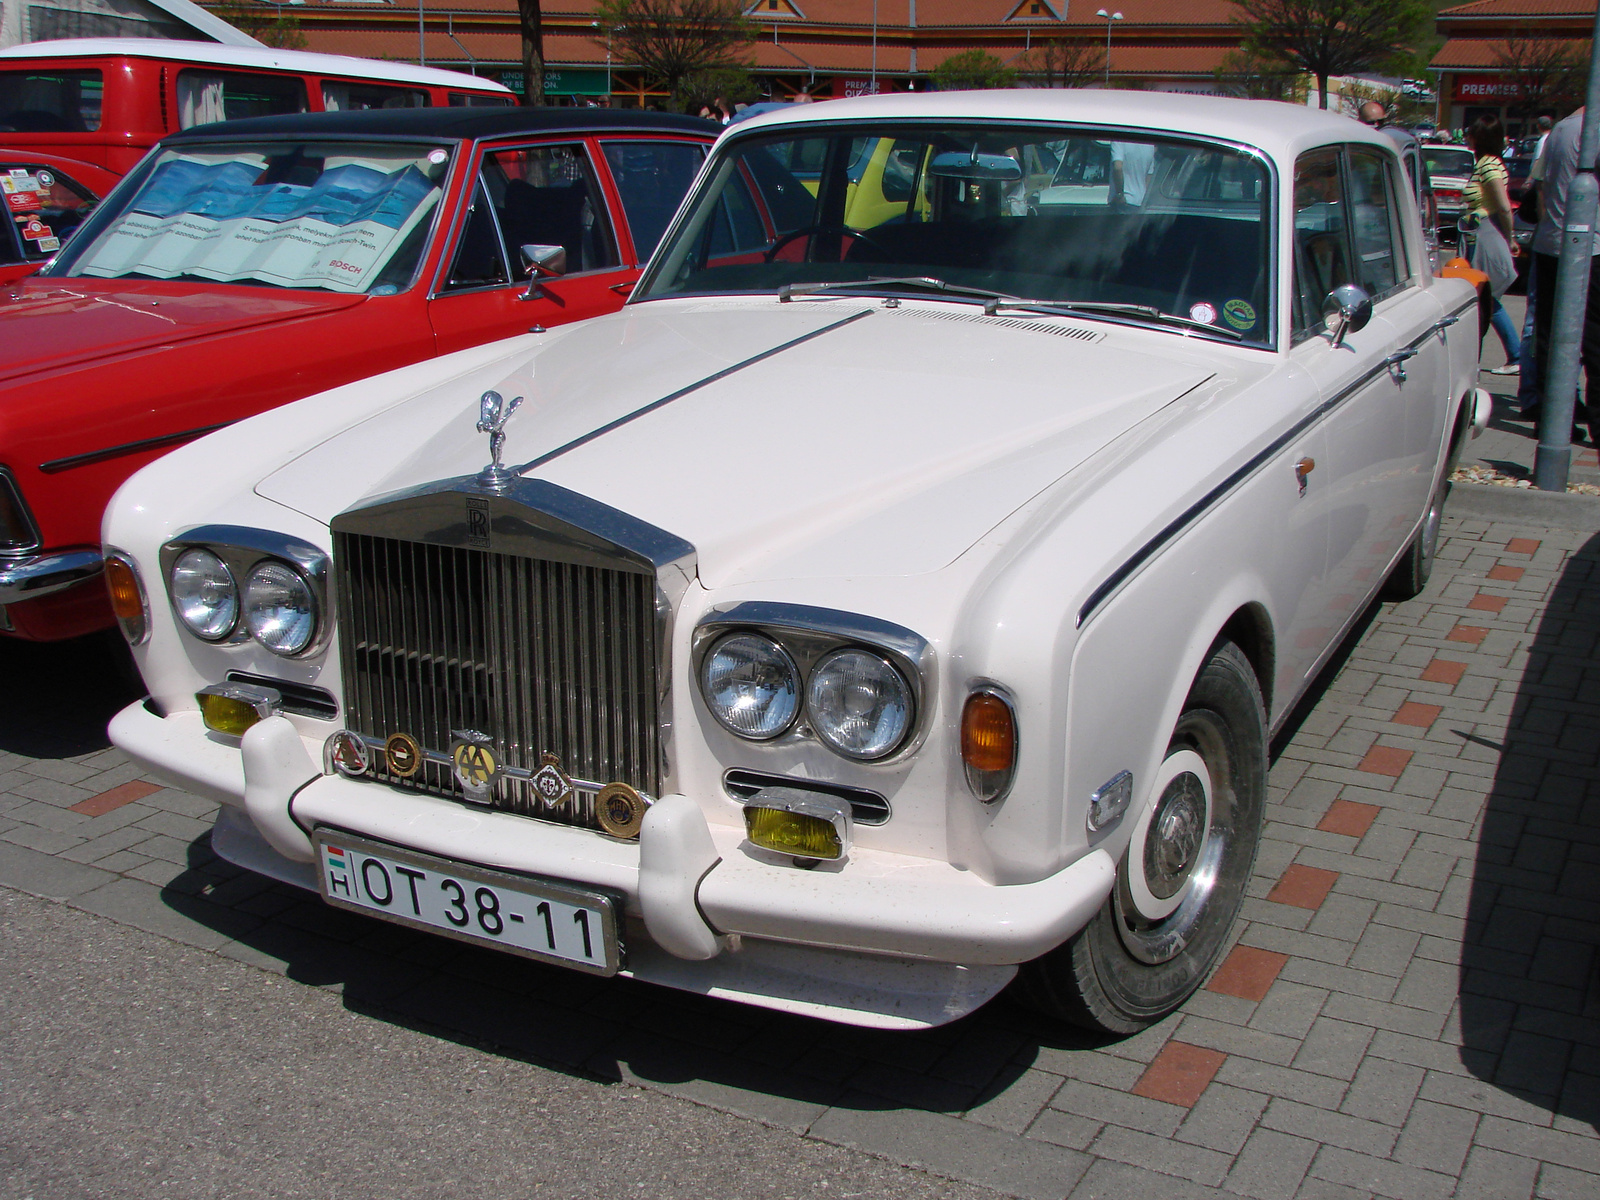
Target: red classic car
246	264
46	197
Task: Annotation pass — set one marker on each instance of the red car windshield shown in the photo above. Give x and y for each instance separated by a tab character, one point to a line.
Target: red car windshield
330	217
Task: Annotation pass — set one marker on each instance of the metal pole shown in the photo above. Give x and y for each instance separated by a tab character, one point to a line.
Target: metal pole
1553	459
422	49
874	83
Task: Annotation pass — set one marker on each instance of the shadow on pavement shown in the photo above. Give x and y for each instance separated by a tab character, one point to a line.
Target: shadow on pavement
775	1066
57	696
1530	995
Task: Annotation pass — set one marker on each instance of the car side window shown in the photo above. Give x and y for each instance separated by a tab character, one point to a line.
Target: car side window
480	258
1380	260
651	178
1321	248
533	196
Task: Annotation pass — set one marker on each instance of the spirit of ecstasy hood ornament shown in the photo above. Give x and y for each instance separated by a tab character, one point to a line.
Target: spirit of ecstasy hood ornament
493	413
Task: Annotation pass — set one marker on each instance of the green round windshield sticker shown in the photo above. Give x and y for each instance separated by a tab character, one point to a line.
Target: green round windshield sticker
1239	314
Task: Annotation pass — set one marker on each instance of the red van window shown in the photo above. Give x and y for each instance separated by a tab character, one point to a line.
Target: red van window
480	100
340	96
45	101
205	96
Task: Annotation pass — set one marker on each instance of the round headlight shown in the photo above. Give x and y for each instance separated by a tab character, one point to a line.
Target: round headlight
204	594
859	704
751	685
279	609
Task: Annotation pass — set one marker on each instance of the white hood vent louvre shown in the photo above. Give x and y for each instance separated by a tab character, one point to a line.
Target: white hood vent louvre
1052	327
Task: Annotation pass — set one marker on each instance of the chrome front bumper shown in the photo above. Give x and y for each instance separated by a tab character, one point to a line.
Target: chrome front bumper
40	574
705	910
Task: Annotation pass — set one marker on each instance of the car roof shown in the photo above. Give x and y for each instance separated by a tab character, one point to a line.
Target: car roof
1278	128
467	121
261	57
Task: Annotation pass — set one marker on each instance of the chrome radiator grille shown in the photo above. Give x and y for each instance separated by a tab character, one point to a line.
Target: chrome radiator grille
543	656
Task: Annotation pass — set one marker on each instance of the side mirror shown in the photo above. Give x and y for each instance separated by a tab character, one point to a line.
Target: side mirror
540	261
1346	310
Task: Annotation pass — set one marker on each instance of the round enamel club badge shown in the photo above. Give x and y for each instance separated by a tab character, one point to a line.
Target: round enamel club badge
403	755
474	764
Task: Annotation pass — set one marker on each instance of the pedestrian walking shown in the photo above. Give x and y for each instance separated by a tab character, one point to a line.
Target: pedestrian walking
1488	206
1560	165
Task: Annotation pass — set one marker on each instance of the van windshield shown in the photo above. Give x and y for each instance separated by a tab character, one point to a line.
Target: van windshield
337	217
1052	215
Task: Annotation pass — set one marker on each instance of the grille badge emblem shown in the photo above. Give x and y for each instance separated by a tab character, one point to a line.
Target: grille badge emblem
472	758
404	755
348	753
620	810
551	782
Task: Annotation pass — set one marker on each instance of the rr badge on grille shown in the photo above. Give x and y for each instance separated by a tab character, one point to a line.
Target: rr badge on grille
551	782
472	757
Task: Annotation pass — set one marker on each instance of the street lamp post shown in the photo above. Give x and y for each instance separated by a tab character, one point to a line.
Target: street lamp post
1110	17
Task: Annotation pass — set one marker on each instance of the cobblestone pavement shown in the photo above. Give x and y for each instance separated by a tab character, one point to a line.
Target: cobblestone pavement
1412	1009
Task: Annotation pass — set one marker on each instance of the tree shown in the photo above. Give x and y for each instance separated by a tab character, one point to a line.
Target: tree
672	40
1253	76
1331	37
971	71
1065	62
705	88
531	21
1548	76
270	27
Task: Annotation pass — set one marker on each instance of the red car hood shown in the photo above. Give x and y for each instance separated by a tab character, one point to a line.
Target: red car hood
49	324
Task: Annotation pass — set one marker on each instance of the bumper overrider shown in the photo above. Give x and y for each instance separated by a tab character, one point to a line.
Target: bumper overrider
883	940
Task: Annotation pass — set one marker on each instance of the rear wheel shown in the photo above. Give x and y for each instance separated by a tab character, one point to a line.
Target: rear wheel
1411	573
1181	881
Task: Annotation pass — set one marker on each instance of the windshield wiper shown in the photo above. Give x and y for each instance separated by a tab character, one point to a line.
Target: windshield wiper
1068	308
877	283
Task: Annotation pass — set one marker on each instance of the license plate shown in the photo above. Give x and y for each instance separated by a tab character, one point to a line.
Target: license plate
537	918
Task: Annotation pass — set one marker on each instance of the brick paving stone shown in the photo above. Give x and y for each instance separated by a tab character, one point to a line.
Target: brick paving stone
1272	1165
1487	602
1383	1091
1333	1048
1247	973
1494	1175
1385	760
1179	1073
1444	670
1436	1137
1170	1157
1380	1176
1303	886
1522	545
107	801
1222	1118
1350	819
1563	1183
1506	574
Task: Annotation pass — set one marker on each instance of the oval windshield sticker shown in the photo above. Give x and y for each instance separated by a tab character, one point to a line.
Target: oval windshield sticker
1205	313
1239	314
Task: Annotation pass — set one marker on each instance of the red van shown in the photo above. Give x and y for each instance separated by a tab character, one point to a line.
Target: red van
106	101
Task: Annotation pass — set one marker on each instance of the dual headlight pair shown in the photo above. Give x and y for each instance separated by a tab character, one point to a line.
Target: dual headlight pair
226	591
856	701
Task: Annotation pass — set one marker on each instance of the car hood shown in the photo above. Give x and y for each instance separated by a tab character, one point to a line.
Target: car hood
54	324
781	440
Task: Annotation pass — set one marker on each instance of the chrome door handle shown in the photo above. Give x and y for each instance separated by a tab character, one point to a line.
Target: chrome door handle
1442	324
1396	363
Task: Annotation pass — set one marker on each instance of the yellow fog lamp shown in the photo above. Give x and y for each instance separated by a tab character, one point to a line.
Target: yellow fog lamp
127	597
798	823
234	707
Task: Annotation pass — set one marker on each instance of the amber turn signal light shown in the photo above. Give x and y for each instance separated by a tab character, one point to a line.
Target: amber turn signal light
988	744
233	708
127	598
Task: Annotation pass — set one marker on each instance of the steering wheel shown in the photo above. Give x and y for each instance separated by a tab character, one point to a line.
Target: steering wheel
806	230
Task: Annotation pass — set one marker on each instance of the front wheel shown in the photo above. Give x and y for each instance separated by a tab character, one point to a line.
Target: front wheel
1411	573
1181	882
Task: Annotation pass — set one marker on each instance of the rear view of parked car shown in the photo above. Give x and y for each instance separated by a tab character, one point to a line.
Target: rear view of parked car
247	264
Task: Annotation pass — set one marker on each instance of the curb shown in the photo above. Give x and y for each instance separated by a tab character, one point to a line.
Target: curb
1525	506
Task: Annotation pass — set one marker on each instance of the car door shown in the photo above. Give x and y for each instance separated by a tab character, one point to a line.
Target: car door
1364	422
544	195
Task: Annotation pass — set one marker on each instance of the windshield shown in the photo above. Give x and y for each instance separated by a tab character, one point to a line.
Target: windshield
1052	215
333	217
